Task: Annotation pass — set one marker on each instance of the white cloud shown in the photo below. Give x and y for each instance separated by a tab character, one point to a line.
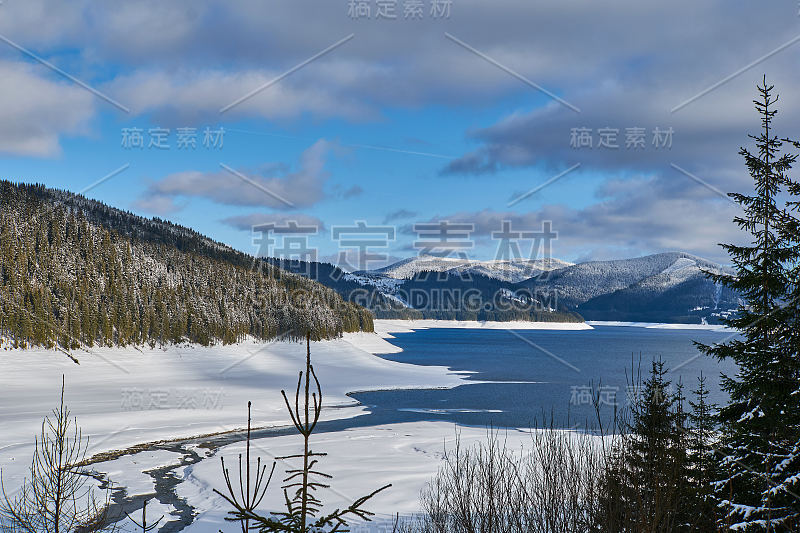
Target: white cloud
184	63
36	110
300	188
638	216
184	97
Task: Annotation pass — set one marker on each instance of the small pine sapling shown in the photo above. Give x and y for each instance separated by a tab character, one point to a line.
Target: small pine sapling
249	496
304	508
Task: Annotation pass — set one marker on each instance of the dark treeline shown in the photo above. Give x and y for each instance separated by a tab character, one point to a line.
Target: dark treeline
75	272
352	291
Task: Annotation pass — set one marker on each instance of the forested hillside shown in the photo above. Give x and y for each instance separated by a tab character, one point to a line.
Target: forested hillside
351	287
75	272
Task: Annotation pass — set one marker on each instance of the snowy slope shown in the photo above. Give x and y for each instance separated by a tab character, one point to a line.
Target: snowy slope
665	287
514	270
581	282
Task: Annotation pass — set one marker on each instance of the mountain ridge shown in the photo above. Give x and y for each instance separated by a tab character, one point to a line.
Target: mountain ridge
505	270
662	287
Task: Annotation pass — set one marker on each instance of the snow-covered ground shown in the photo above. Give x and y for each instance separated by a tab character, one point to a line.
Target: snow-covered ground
124	397
360	460
131	396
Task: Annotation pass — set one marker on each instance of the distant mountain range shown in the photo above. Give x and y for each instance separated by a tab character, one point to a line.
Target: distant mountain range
513	271
665	287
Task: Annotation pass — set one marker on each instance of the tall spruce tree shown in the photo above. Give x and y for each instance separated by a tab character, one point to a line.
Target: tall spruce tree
759	425
702	469
645	485
788	478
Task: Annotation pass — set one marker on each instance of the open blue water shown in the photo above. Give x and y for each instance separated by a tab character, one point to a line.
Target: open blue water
525	377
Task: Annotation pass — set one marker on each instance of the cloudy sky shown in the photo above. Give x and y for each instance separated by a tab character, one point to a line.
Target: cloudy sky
329	113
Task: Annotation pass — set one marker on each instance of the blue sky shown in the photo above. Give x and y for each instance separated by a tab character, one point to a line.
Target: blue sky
405	121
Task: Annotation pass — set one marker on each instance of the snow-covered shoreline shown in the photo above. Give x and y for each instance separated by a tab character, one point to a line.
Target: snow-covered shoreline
384	326
128	396
658	325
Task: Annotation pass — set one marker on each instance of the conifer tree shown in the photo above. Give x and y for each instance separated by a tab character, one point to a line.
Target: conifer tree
304	507
57	497
788	479
759	425
645	482
702	468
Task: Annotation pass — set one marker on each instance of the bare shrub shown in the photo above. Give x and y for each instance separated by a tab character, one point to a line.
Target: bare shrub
642	475
490	488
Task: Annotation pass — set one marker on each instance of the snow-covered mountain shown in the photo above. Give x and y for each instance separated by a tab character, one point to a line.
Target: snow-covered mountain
513	271
662	287
665	287
584	281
